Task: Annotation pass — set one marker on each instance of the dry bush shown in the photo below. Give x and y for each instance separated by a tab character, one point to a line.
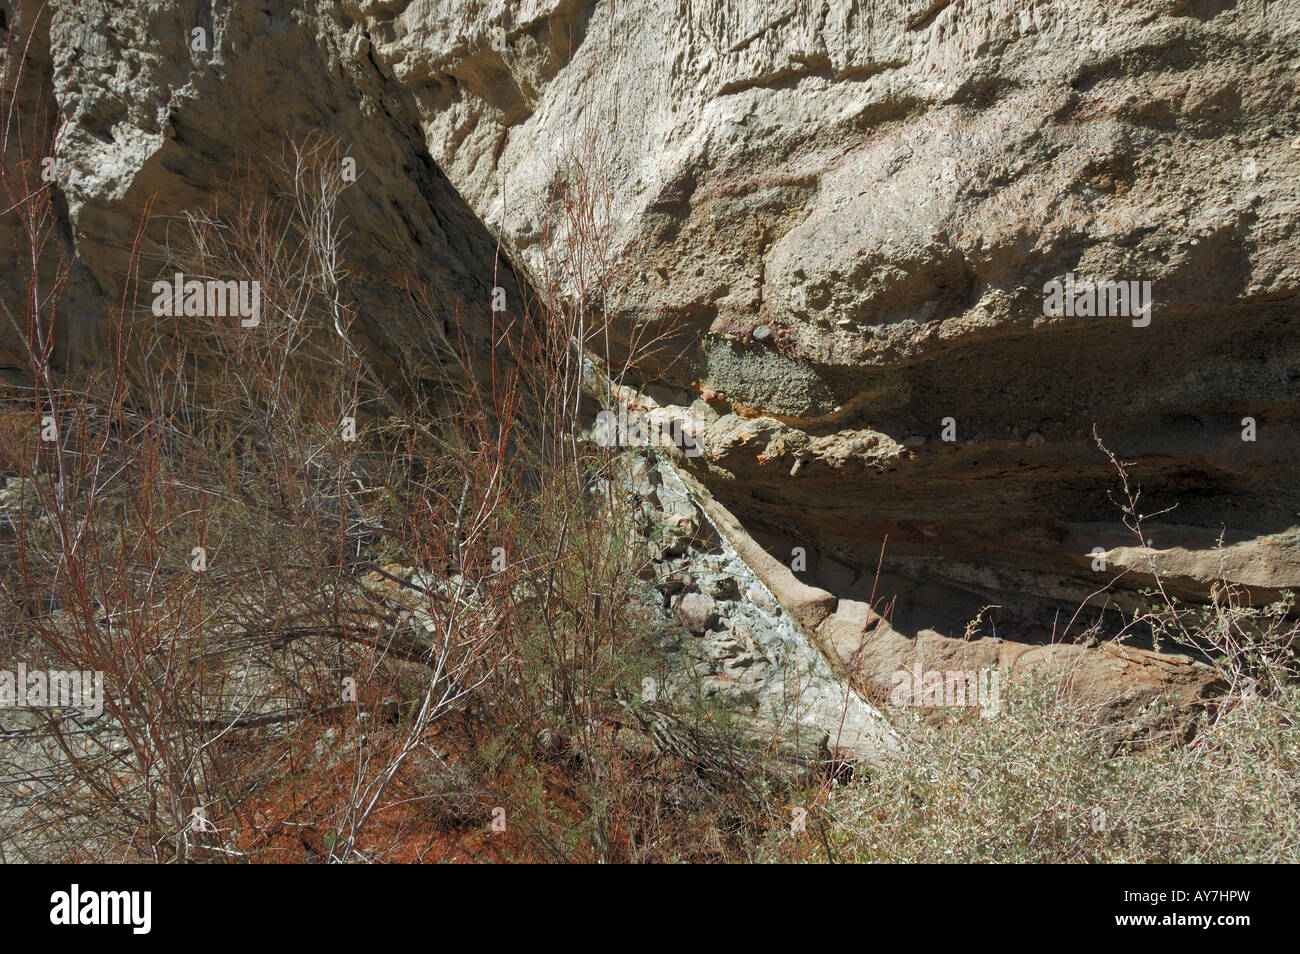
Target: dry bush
1044	781
315	647
201	530
563	741
1040	784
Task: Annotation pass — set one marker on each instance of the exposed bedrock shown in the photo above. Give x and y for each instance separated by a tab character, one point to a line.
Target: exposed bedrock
846	212
849	212
153	111
1017	505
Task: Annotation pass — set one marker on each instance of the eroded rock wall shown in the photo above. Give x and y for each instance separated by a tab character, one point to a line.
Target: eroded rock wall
850	211
847	212
150	111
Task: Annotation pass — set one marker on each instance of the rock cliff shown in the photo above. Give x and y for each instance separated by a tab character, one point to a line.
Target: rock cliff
845	217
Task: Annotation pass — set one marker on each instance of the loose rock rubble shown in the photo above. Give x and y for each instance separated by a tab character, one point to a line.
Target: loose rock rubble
739	646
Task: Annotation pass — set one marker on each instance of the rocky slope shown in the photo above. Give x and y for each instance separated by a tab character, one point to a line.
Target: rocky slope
845	214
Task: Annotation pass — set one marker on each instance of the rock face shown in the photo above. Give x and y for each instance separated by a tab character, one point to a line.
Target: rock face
847	216
849	213
151	109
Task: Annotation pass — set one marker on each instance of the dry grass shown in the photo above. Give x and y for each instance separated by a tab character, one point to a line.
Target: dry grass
1039	784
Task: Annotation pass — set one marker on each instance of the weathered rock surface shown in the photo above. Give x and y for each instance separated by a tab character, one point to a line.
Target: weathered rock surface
851	211
145	115
848	213
1137	692
743	649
